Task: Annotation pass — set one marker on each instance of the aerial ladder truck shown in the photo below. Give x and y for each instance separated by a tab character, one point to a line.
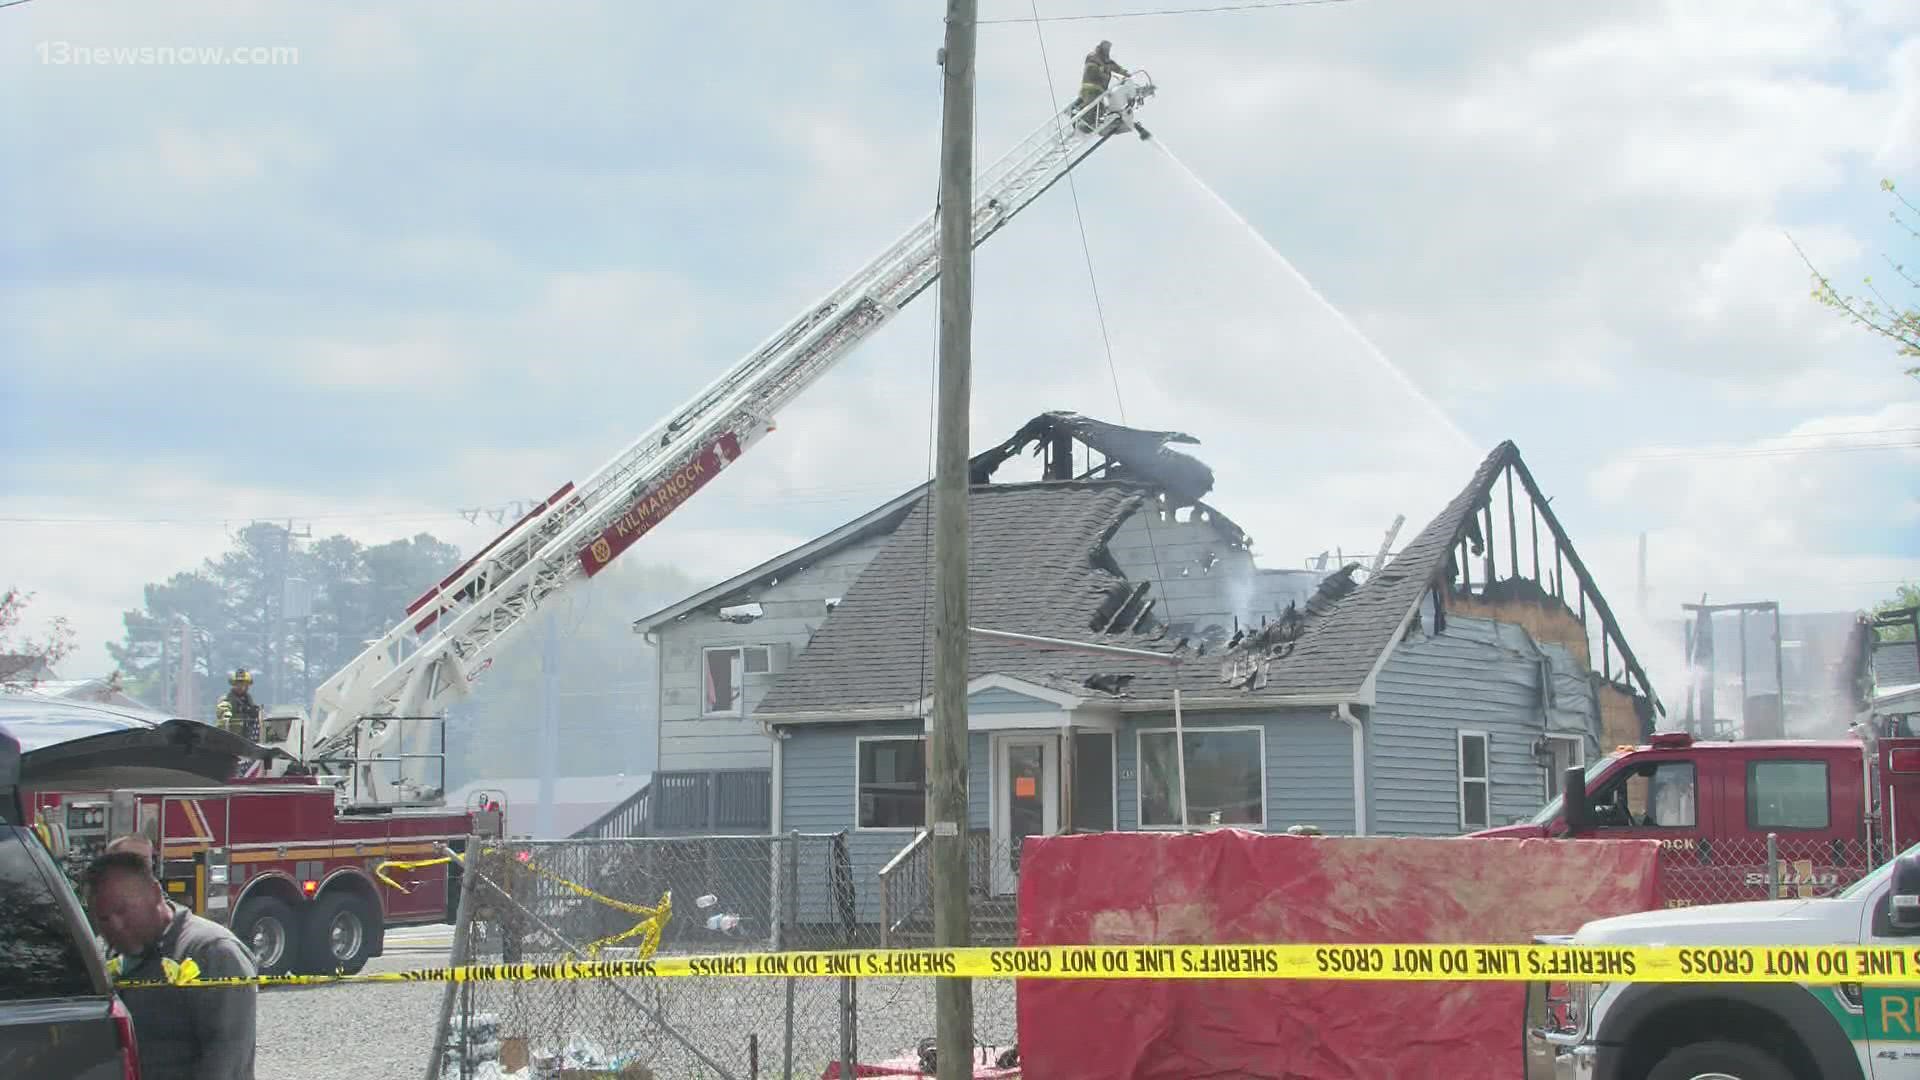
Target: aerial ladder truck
368	719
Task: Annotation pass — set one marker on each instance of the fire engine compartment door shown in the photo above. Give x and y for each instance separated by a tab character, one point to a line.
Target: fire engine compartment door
1810	804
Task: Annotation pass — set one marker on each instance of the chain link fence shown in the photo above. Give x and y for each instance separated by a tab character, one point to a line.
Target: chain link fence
550	901
1696	871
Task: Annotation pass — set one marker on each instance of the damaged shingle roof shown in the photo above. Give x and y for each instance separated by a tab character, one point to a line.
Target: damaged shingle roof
1030	568
1033	568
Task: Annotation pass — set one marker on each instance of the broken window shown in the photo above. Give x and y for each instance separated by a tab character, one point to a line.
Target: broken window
725	669
1226	784
893	783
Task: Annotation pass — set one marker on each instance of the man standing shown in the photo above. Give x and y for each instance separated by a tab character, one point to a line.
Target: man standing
237	711
1095	77
186	1033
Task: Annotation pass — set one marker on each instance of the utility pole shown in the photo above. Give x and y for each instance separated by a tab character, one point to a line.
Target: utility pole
947	802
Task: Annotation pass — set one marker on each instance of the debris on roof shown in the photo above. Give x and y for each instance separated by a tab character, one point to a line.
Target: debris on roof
741	613
1130	453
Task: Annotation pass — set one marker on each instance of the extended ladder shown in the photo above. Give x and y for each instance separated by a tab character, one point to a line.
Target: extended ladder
578	530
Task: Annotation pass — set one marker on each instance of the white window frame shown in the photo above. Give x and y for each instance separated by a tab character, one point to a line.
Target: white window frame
1579	761
1461	735
739	700
857	742
1140	776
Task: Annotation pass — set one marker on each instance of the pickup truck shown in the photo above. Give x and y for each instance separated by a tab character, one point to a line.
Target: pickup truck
59	1015
1740	1031
1835	810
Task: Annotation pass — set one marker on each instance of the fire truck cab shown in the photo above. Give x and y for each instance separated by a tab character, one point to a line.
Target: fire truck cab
1835	810
298	877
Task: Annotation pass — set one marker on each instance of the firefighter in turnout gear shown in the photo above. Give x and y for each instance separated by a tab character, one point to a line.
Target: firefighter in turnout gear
1095	77
237	712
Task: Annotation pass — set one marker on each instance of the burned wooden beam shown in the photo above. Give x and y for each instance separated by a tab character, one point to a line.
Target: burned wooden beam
1513	530
1486	540
1533	512
1608	622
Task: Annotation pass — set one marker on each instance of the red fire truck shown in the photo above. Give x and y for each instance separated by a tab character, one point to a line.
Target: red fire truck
296	874
1835	809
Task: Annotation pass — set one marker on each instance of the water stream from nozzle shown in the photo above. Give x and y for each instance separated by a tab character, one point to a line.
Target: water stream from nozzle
1372	350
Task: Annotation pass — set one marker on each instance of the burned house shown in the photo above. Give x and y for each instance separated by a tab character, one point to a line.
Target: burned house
1441	693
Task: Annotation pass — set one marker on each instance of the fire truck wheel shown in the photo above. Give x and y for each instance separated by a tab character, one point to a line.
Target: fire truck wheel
339	933
271	930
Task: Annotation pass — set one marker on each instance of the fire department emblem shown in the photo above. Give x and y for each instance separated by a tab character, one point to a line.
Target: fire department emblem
602	551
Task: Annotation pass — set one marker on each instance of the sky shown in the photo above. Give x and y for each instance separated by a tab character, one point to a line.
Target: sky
442	257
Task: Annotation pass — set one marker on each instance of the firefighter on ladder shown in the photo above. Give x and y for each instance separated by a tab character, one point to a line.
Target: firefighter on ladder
1095	77
237	712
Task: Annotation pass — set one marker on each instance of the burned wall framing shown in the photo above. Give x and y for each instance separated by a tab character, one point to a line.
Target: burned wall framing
1479	540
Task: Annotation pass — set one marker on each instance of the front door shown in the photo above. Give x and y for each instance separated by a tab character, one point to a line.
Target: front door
1026	800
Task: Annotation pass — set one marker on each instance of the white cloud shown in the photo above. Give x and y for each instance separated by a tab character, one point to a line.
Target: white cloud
1563	222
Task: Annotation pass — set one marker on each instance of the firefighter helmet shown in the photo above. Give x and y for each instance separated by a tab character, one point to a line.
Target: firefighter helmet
241	676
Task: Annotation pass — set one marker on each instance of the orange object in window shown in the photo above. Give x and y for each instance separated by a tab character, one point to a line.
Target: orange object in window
1024	787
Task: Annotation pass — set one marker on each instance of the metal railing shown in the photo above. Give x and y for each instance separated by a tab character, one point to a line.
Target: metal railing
906	892
690	803
627	818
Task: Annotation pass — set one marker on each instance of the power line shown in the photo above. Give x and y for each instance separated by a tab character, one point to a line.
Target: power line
12	3
1683	454
1216	9
819	496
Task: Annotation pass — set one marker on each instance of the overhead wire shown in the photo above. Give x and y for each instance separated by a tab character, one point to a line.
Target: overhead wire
1093	281
1213	9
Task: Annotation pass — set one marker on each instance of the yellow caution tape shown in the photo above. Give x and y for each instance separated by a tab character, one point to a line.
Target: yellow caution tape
380	871
652	919
1827	965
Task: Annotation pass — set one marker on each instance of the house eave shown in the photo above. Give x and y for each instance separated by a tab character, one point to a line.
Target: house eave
1188	703
851	532
1191	702
834	716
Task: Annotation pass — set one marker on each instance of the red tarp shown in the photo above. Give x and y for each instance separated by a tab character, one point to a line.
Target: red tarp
1229	887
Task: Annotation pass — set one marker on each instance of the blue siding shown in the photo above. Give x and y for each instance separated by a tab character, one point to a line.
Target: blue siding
997	701
1309	765
1477	676
818	779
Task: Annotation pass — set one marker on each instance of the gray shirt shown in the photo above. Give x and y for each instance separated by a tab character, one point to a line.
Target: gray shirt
189	1033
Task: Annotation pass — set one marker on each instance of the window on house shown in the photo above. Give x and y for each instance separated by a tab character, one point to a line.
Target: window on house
1787	795
1225	778
724	670
1567	752
893	783
1474	793
1092	781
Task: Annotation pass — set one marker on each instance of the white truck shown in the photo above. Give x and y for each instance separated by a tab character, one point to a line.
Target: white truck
1742	1030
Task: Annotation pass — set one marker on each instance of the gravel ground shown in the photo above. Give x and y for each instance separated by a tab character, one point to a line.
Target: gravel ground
381	1031
370	1031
